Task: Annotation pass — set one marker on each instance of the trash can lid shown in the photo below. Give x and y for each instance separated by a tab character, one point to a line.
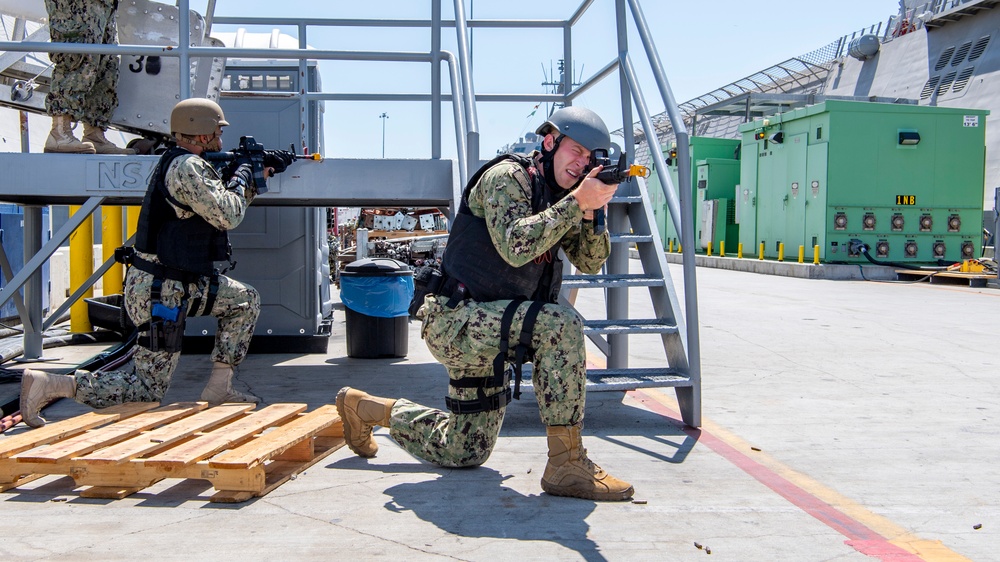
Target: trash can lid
377	267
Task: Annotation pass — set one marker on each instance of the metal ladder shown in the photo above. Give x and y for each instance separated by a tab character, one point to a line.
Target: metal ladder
607	334
631	223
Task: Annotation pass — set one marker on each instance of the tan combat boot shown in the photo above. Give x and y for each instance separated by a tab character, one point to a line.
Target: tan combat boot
360	413
570	473
95	136
38	389
219	389
61	138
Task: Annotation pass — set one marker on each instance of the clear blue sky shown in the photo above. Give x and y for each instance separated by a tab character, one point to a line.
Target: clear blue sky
703	45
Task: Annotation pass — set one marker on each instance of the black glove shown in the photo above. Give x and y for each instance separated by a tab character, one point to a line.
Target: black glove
243	177
227	171
278	159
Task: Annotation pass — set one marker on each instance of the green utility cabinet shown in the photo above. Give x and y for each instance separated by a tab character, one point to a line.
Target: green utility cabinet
906	180
715	217
702	149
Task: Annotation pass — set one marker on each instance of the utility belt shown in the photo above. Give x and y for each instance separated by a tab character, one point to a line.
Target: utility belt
433	281
165	329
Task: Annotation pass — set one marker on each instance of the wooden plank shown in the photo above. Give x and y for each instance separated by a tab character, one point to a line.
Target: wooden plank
166	436
279	472
109	434
208	444
276	441
52	432
108	492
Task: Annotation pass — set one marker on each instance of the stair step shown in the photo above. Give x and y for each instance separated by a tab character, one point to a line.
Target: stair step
606	380
629	326
629	238
628	379
627	280
626	199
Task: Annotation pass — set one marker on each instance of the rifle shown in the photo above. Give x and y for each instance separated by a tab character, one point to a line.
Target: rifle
612	175
252	152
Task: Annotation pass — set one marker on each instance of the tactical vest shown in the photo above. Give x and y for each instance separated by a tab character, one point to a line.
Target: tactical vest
471	258
190	244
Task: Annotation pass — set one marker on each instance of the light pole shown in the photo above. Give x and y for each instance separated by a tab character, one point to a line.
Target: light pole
383	117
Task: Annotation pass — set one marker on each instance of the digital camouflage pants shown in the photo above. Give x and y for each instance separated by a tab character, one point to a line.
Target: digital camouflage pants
237	307
465	340
84	86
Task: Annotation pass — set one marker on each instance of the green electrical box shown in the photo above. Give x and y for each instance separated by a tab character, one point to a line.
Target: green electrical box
715	213
702	148
905	180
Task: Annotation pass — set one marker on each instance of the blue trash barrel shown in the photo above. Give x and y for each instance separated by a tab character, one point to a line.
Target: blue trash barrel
376	293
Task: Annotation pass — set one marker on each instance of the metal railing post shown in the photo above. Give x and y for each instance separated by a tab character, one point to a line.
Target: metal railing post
184	46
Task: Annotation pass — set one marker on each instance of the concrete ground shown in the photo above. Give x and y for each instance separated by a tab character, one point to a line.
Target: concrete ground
843	420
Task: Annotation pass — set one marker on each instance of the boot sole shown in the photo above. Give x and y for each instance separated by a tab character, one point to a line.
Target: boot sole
601	497
341	409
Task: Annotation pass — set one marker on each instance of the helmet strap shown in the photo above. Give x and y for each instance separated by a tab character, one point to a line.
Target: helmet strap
549	172
206	145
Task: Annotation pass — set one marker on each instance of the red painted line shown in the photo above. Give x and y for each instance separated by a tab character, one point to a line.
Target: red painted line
860	537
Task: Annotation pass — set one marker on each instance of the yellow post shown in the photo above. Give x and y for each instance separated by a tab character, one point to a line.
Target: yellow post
81	267
816	254
111	238
670	245
679	249
761	251
739	250
781	251
708	250
722	248
132	220
802	253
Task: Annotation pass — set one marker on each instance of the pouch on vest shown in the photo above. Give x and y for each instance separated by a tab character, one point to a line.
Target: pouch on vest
426	281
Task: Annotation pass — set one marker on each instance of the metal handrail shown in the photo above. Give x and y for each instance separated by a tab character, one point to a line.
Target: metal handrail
679	207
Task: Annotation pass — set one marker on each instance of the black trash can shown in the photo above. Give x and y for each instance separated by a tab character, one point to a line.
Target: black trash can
376	293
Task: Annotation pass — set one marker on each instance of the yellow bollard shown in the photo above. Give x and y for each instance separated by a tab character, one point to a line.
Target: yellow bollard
679	249
739	250
816	254
111	238
81	267
781	251
131	220
802	253
722	248
670	245
761	251
708	250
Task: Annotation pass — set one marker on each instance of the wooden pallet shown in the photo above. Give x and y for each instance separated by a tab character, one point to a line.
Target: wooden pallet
953	277
117	451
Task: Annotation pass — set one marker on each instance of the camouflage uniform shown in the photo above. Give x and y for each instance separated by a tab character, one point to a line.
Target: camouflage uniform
194	182
83	86
467	338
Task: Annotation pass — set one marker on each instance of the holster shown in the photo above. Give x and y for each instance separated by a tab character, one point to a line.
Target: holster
166	329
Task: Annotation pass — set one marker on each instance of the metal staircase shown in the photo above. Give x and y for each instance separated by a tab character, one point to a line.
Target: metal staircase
631	224
656	279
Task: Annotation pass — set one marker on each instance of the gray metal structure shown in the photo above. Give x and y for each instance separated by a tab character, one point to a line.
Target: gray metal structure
41	179
282	251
